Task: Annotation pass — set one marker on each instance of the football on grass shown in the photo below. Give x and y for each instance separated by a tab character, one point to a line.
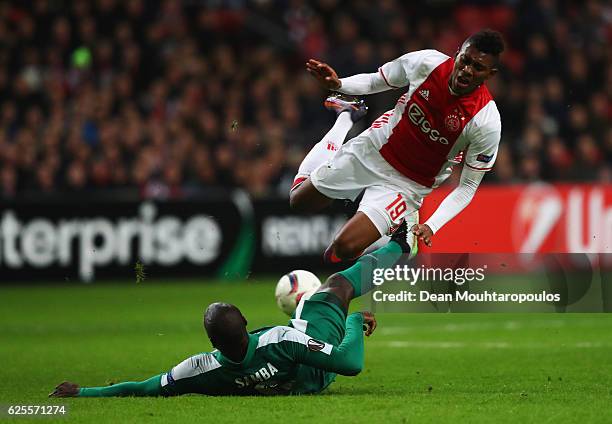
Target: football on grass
292	287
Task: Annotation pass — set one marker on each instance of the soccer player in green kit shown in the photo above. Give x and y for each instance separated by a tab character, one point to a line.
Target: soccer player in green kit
302	358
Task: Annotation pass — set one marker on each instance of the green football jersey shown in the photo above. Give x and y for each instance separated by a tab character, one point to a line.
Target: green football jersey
279	360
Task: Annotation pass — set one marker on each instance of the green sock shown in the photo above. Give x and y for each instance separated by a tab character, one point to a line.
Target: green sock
150	387
360	274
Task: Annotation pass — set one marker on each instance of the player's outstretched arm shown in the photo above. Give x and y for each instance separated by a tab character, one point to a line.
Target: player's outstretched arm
357	84
450	207
391	75
65	389
150	387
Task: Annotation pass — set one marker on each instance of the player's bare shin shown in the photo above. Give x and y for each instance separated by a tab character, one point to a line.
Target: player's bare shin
354	237
357	279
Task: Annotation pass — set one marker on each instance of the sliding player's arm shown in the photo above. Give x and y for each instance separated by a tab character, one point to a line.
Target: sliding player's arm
150	387
481	154
392	75
344	359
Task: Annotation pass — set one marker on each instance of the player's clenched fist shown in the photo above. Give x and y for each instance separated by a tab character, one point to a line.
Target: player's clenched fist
324	73
369	322
423	232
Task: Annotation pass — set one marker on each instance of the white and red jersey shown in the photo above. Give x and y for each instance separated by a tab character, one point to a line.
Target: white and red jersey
430	129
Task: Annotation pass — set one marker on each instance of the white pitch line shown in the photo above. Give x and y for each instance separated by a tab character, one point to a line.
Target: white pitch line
403	344
435	345
472	326
590	344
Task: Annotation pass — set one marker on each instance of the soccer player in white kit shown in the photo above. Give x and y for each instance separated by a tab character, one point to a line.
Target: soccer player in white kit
447	116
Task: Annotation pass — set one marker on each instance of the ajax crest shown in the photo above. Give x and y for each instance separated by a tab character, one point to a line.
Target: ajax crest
452	123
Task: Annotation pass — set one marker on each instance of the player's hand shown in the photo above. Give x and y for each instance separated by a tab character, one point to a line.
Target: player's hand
369	322
65	389
324	73
423	232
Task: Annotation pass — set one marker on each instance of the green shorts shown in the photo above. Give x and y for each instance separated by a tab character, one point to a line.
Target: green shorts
322	318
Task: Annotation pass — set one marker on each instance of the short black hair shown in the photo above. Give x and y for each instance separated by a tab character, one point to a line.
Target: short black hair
225	325
487	41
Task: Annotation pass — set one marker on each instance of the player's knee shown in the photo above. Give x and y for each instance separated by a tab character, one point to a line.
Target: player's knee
304	201
296	201
340	286
305	198
345	247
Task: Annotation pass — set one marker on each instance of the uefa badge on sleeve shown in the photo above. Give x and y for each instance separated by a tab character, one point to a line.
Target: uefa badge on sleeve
484	158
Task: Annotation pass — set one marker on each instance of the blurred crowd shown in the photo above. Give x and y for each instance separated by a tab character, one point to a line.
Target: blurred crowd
170	98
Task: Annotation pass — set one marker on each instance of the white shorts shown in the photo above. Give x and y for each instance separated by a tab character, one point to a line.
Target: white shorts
389	196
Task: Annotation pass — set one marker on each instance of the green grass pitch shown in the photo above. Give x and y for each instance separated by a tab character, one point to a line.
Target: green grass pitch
419	367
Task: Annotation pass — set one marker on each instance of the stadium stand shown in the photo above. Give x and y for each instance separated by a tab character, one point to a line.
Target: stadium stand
167	98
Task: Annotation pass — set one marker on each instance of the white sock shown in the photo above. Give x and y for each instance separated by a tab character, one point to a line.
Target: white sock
325	149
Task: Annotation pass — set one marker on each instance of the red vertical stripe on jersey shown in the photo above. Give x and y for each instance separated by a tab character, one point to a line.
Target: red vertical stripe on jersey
421	141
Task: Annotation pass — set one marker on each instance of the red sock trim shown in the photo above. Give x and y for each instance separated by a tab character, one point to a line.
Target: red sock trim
330	256
297	182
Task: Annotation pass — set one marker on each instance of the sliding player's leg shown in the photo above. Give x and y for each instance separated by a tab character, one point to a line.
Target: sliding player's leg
304	196
323	316
324	313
